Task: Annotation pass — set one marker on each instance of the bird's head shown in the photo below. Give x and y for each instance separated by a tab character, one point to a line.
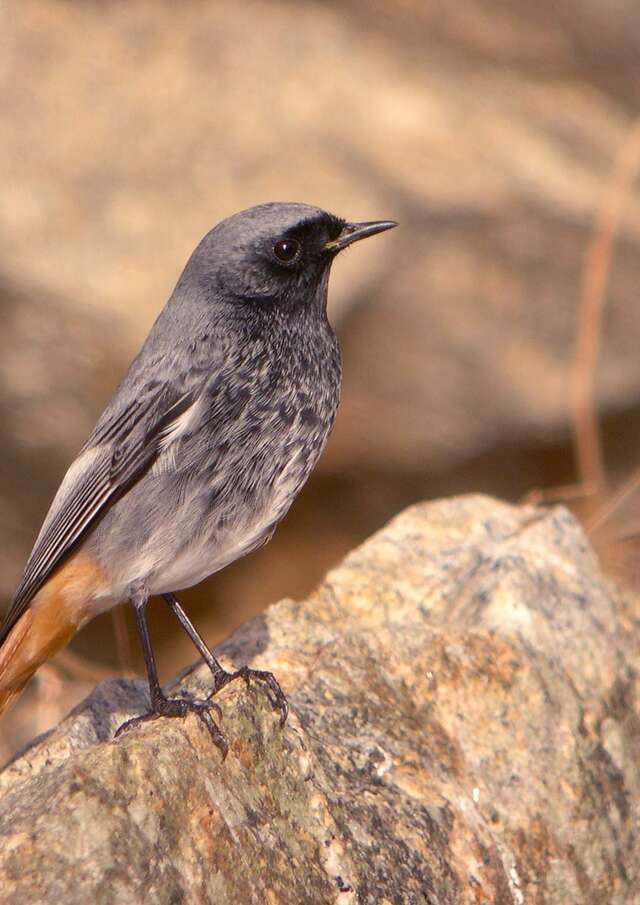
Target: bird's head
275	254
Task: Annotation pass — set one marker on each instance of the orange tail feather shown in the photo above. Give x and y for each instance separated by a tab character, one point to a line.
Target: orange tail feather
11	683
54	615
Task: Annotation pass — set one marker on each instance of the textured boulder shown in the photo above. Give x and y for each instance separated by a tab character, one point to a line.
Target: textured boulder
464	729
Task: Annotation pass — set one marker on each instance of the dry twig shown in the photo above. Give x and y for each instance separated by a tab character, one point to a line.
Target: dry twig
595	273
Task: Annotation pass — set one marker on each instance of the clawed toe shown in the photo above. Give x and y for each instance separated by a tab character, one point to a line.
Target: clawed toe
221	677
275	694
134	721
180	707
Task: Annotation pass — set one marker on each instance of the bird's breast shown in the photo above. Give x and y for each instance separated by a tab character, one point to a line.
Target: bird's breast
227	473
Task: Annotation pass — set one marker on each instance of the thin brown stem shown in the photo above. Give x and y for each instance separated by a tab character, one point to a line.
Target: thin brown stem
613	503
588	448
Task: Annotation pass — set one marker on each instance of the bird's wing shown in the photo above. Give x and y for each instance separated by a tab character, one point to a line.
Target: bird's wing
125	443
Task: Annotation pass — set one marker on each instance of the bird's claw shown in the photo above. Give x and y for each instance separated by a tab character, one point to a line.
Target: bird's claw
180	707
275	695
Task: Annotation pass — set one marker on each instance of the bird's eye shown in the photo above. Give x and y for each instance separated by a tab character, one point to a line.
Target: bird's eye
286	250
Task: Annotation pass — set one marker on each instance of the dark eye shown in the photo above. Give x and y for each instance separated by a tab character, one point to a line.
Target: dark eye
286	250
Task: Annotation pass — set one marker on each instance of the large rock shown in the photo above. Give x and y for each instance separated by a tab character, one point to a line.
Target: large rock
464	728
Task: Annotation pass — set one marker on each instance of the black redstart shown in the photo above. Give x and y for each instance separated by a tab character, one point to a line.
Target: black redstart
202	449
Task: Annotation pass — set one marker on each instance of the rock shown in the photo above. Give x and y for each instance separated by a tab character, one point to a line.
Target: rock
464	728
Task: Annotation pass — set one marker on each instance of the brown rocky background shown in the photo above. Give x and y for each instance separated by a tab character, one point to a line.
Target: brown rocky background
488	129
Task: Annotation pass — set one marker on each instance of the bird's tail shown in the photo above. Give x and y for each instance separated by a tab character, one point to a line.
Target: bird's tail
44	628
14	666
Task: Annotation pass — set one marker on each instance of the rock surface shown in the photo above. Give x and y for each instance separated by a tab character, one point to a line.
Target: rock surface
464	728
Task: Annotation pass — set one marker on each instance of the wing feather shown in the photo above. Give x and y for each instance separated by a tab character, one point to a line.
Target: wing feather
124	444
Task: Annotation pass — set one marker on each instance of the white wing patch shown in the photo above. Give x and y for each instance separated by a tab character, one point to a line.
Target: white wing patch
180	426
166	460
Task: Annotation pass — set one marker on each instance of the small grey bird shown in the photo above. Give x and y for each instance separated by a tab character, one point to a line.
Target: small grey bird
202	449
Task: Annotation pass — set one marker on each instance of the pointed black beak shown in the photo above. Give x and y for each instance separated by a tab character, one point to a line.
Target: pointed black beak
353	232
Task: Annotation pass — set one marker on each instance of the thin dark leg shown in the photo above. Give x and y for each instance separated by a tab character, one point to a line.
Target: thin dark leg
140	610
221	677
160	704
197	639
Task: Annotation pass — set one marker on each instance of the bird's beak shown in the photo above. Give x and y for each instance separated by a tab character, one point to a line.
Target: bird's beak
353	232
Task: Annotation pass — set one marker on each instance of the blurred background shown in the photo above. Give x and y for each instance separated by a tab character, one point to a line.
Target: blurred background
488	129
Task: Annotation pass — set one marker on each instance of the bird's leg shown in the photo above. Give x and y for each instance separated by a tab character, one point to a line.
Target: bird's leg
197	639
221	677
160	704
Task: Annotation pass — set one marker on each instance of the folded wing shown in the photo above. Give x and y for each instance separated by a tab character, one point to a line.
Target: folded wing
125	443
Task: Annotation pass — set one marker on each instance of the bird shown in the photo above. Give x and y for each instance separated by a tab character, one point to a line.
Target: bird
206	442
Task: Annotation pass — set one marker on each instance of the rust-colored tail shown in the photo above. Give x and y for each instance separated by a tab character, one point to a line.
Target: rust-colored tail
54	615
11	665
7	698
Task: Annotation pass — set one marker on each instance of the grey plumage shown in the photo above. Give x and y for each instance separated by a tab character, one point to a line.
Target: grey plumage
219	419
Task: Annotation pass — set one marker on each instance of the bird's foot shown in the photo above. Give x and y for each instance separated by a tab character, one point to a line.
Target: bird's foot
275	694
172	707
